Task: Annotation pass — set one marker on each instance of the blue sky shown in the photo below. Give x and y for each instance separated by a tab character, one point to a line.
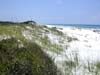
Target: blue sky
51	11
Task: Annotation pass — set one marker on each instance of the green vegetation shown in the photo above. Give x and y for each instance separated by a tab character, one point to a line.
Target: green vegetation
98	65
55	31
46	43
69	66
70	39
13	31
97	71
16	30
27	60
23	46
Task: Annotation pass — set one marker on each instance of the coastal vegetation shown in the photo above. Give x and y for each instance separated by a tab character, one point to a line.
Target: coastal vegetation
27	60
27	48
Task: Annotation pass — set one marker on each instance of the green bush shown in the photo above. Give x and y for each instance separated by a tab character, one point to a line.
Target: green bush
28	60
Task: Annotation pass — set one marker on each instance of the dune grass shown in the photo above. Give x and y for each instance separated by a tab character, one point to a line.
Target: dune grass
28	60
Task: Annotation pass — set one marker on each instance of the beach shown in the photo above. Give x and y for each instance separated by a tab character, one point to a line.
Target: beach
82	50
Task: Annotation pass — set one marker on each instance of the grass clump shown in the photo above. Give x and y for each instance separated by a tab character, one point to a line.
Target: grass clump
27	60
46	43
70	39
12	30
55	31
98	65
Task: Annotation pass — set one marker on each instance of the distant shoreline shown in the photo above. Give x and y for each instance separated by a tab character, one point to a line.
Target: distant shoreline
85	26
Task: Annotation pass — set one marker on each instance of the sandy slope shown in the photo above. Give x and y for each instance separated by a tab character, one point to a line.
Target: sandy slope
84	52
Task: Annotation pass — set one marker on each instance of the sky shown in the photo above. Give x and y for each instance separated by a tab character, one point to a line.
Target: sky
51	11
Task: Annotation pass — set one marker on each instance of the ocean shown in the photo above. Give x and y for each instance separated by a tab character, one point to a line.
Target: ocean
79	26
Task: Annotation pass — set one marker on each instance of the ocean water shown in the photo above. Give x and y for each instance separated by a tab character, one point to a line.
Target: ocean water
79	26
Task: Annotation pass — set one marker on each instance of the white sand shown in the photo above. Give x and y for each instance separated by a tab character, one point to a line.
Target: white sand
86	48
88	44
